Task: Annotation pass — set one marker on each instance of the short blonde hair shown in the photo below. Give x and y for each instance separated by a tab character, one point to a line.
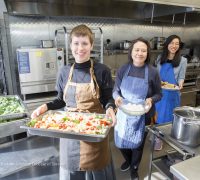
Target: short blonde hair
82	30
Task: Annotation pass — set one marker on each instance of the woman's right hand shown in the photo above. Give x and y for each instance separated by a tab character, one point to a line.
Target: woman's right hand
118	101
40	110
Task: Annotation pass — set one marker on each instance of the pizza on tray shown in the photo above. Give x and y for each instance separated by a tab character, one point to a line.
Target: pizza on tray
82	123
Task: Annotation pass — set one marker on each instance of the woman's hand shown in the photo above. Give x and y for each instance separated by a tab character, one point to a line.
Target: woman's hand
118	101
181	82
148	103
40	110
110	112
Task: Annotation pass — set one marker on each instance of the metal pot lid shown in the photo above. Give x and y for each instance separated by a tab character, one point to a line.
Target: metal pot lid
189	113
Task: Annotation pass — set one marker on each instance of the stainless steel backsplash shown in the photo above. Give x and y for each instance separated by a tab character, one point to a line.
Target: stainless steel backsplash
29	30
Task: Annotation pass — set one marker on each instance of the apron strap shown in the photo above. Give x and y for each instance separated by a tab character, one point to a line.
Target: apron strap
94	83
146	75
68	81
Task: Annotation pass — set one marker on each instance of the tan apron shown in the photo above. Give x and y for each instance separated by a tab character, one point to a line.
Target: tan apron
93	155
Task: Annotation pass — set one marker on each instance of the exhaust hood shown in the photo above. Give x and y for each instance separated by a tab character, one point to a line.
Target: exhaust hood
130	9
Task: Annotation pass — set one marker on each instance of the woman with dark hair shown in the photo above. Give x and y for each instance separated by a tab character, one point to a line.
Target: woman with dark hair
136	81
172	68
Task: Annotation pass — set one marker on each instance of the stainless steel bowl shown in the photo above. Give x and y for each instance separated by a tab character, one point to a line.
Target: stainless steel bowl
186	126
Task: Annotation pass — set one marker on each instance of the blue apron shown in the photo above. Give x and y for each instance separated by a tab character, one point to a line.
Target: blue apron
129	130
170	99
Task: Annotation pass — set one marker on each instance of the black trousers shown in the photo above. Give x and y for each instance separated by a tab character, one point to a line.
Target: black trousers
134	156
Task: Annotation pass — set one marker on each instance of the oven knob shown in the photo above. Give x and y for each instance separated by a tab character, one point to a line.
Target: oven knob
59	57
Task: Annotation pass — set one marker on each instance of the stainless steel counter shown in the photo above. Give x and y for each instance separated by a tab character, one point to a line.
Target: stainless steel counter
162	163
29	153
164	132
187	170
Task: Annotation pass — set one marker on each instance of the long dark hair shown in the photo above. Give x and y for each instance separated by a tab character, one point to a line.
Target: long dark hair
147	61
177	58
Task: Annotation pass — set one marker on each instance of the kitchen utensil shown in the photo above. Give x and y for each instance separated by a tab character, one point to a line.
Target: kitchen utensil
157	42
125	45
186	125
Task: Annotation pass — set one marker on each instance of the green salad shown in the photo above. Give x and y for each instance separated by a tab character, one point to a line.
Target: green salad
10	105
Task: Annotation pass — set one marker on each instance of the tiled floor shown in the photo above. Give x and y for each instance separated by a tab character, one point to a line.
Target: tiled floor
144	165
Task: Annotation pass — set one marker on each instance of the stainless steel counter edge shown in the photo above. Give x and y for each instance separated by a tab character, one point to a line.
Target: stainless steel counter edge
187	170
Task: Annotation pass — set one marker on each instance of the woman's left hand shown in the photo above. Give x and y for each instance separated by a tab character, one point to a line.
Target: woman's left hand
148	102
181	84
110	112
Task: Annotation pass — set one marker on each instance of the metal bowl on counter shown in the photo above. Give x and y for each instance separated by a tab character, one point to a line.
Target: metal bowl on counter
186	126
125	45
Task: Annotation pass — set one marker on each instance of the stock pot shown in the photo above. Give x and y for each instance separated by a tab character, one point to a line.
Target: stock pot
125	45
186	126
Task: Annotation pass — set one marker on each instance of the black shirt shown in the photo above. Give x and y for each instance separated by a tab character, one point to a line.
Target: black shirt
154	89
81	74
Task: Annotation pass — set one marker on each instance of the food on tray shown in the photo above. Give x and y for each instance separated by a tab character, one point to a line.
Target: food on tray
10	105
166	85
82	123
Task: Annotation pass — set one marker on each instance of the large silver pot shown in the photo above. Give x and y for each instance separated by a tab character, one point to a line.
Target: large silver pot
186	126
125	45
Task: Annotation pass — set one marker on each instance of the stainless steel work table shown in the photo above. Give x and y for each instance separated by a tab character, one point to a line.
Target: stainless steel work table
29	158
187	170
164	133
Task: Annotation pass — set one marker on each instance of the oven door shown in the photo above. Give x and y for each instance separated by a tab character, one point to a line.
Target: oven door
188	96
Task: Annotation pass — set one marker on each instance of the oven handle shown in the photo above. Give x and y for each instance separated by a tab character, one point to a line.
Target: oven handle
195	90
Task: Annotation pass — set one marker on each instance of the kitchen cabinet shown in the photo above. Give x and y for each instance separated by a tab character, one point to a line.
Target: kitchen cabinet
177	152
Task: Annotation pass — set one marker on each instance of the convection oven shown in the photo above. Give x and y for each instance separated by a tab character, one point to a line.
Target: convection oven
191	85
38	68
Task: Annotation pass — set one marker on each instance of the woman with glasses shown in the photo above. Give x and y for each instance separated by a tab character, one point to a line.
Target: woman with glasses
172	68
136	81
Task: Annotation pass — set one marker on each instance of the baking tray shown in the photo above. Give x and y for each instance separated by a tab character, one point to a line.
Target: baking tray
15	115
12	127
65	134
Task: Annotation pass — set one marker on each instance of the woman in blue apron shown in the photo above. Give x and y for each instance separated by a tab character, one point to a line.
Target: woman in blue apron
172	69
85	86
136	81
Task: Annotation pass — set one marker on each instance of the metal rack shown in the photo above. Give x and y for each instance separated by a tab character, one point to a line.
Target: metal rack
60	42
163	132
3	88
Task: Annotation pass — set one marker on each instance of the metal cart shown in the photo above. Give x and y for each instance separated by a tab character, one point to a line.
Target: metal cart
60	42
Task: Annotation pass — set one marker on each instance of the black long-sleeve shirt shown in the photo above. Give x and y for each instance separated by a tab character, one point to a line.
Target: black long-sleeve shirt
154	90
81	74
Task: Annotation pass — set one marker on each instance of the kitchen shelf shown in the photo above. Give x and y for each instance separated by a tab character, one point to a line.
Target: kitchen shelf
161	165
